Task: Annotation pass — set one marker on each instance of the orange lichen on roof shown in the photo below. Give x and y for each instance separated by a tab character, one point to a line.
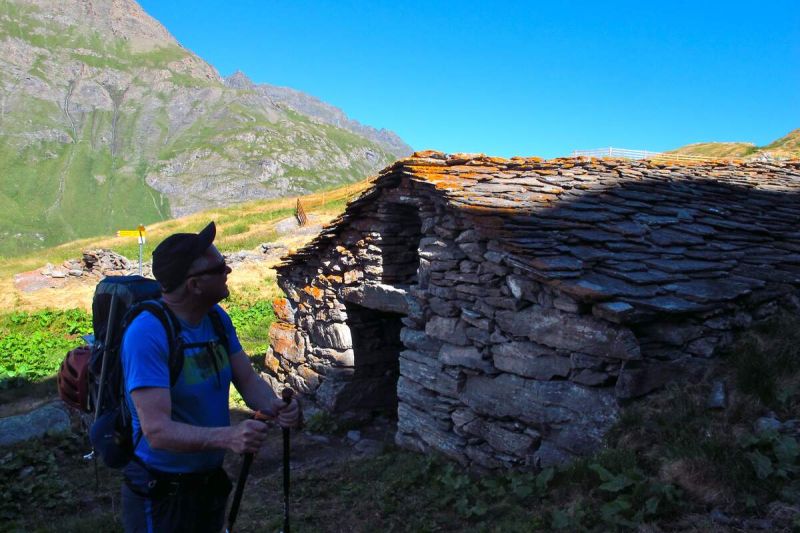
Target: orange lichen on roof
462	156
439	179
447	183
427	154
426	169
497	160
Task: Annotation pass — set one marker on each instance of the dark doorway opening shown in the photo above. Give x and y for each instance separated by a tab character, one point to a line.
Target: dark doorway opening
376	351
400	235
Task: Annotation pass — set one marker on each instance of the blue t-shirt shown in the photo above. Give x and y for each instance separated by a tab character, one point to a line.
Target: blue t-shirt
200	395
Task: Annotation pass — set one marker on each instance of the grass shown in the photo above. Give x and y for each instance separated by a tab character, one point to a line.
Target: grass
252	318
767	363
787	146
717	456
49	205
261	216
48	487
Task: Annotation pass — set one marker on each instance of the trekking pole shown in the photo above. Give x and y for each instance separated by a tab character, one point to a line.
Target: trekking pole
287	397
103	366
245	471
103	372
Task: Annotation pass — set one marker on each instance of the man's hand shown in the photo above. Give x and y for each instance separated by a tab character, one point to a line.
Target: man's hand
247	436
290	415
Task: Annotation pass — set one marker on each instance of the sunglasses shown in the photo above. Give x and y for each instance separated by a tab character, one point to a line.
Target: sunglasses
221	268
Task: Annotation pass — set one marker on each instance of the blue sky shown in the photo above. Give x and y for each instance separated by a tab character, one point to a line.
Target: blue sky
518	78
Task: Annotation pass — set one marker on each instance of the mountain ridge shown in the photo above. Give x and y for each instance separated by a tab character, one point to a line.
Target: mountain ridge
311	106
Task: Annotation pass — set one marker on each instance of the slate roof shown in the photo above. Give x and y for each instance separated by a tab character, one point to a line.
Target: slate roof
637	235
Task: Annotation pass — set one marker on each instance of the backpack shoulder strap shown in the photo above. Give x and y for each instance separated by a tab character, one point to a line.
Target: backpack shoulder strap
219	329
172	328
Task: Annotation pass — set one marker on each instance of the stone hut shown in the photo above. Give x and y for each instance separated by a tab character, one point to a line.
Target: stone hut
503	310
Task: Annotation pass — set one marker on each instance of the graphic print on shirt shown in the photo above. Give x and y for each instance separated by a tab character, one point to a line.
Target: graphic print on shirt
203	363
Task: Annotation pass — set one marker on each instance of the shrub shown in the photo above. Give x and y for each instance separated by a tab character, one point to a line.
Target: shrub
32	345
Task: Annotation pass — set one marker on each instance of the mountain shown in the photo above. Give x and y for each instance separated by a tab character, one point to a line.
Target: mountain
106	121
785	147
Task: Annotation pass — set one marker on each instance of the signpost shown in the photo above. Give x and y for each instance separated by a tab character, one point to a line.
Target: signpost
139	234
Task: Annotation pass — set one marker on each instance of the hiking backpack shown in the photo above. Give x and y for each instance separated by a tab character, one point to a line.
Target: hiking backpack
117	301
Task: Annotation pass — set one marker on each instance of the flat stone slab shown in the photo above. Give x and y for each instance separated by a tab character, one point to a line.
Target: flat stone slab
34	281
565	331
705	290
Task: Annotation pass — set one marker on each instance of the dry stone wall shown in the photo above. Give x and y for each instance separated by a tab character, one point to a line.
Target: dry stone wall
519	336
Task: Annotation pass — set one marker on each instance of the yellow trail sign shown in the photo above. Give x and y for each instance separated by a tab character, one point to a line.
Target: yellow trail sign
138	232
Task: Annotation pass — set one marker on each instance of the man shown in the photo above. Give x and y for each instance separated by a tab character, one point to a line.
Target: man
181	432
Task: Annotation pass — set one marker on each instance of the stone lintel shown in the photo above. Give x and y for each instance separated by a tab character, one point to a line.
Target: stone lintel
378	296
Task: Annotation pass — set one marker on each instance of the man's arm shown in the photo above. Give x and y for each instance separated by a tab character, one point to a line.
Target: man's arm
258	395
154	407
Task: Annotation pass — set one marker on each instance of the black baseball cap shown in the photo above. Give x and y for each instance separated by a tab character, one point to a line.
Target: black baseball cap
173	257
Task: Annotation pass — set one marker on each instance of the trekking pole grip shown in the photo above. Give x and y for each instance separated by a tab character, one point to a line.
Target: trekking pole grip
287	394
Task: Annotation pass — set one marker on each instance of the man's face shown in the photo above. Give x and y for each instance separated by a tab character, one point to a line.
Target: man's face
209	274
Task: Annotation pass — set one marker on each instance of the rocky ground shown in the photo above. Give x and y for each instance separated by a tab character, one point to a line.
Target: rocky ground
72	282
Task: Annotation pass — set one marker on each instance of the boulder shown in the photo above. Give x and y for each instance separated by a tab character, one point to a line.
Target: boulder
48	419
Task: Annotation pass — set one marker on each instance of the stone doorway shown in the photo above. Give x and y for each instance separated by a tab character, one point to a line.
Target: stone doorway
376	353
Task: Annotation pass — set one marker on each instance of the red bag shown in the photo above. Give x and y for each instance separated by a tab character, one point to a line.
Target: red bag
73	378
